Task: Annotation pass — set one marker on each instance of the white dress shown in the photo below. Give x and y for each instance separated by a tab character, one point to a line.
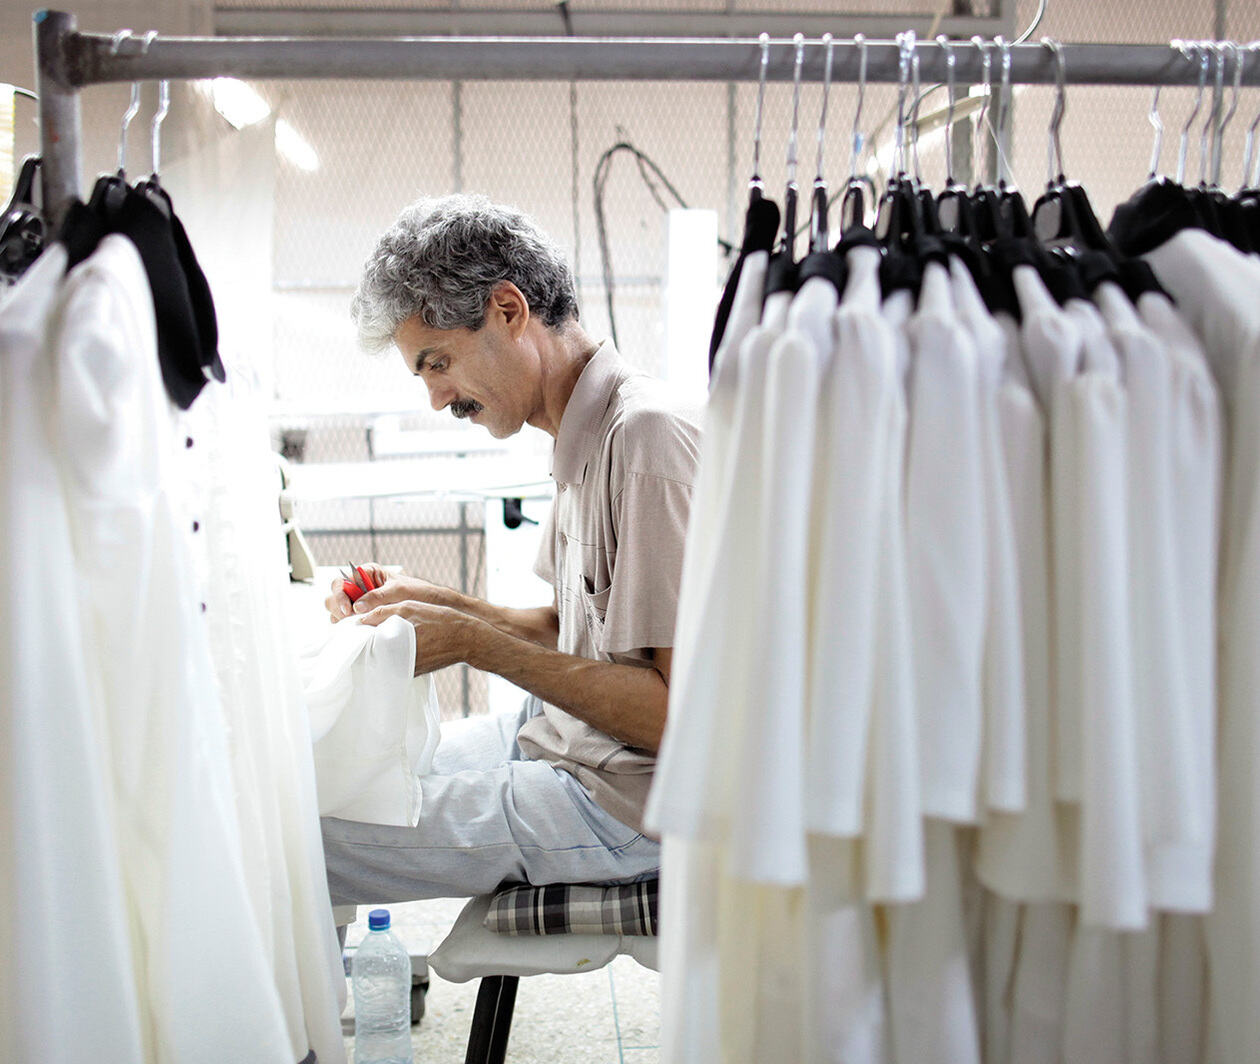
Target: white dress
209	991
61	874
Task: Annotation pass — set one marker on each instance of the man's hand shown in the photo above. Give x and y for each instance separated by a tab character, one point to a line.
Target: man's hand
388	589
443	635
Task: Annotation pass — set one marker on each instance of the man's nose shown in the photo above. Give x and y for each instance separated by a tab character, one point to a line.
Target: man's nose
440	397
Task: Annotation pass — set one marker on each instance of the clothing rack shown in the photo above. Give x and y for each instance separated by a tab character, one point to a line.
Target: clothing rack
67	60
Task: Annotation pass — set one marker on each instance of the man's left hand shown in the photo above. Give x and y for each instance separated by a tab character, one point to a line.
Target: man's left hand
443	634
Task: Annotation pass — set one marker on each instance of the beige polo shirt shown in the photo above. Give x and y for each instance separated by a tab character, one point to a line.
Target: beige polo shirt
624	464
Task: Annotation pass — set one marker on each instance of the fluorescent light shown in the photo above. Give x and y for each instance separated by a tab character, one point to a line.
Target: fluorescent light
295	147
239	103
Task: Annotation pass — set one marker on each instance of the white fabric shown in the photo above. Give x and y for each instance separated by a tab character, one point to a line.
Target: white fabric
769	845
229	478
64	907
375	726
893	830
1112	862
1214	287
209	992
1025	856
854	434
1003	784
945	544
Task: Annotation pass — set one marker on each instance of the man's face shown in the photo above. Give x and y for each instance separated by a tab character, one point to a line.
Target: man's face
483	375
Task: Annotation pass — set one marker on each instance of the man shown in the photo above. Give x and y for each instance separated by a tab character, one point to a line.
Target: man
481	307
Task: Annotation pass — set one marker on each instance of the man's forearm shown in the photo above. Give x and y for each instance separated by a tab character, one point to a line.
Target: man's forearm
537	625
627	702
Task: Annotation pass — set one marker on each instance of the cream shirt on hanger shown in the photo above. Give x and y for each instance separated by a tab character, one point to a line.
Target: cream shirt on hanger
1003	784
1214	286
769	845
62	875
893	847
857	403
694	787
211	994
1025	856
1180	870
945	545
1112	888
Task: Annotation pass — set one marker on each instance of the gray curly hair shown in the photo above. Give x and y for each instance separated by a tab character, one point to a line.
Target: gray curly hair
442	259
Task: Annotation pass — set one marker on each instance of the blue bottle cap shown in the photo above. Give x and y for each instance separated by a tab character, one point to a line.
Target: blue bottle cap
378	920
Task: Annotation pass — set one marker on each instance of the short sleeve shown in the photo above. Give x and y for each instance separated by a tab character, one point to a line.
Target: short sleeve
651	517
545	561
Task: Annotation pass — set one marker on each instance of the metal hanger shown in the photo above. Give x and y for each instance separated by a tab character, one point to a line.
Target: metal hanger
1240	59
164	107
792	194
977	153
1186	48
756	186
853	205
1157	145
1249	147
1213	50
953	209
818	235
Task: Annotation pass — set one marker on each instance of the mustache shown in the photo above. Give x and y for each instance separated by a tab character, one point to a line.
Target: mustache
465	407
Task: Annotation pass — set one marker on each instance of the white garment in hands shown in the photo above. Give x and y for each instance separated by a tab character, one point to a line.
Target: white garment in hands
375	725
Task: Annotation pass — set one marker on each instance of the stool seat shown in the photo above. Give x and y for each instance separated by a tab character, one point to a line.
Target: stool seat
471	950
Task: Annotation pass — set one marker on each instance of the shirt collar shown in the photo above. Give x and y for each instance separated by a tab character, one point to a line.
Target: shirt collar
584	412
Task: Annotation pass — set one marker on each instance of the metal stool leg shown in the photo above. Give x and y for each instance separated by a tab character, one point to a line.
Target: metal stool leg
492	1020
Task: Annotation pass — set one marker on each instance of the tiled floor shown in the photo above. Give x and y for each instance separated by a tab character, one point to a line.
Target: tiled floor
609	1016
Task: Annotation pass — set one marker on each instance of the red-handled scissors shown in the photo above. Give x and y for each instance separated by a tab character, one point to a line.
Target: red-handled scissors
356	582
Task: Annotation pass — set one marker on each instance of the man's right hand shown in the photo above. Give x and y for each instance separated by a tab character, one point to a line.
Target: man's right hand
389	588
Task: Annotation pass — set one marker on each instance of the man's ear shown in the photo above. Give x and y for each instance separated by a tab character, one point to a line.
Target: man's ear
508	303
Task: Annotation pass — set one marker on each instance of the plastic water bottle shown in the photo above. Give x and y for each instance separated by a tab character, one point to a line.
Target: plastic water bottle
381	976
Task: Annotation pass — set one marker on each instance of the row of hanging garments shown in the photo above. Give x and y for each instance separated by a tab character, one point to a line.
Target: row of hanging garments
163	864
965	701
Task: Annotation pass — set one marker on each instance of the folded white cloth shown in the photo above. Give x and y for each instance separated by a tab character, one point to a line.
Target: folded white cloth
374	725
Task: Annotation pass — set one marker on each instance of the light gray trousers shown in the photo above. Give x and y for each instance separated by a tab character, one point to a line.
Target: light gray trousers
487	816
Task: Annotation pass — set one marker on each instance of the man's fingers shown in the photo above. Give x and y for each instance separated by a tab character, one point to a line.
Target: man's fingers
381	596
376	616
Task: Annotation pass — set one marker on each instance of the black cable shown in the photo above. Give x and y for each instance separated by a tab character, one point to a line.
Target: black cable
650	174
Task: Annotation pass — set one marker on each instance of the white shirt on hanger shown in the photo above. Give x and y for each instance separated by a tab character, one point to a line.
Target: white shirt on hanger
211	994
1214	286
1003	783
945	549
64	903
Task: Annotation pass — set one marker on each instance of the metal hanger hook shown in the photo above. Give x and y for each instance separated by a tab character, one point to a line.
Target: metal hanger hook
1054	147
798	42
914	113
1250	144
829	44
905	45
1189	49
978	133
1003	108
133	109
1240	59
164	106
1158	125
1213	50
859	41
951	63
764	41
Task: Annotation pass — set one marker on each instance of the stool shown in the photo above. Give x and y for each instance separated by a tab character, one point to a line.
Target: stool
473	951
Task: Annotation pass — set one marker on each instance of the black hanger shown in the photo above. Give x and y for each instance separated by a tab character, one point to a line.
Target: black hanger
761	221
22	223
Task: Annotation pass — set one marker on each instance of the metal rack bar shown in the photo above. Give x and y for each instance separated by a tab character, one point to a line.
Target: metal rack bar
68	60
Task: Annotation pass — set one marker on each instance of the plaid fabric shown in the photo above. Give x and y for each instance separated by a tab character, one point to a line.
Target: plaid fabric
563	908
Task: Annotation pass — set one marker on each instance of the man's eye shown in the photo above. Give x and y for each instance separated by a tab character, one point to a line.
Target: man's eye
439	365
